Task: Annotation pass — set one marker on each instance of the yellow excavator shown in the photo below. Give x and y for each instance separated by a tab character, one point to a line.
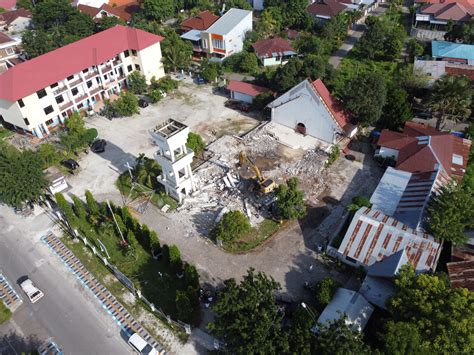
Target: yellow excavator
265	185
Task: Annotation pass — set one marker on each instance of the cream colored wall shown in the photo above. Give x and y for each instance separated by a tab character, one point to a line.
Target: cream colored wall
11	113
150	62
33	109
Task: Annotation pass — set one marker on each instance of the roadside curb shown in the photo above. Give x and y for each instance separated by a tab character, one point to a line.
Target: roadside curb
108	302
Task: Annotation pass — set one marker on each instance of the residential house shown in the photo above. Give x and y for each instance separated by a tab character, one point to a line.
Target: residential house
373	236
274	51
123	12
244	92
421	149
378	286
200	22
310	109
226	36
325	9
40	93
348	304
435	69
436	14
15	21
458	53
10	49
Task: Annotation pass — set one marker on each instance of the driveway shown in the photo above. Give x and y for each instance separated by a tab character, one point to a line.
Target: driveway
67	312
352	38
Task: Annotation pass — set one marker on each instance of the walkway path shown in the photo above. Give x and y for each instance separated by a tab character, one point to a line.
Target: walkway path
353	36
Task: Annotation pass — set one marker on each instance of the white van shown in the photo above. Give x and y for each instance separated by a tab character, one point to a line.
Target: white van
141	346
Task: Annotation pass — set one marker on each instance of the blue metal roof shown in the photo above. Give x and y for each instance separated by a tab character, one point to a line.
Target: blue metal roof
452	50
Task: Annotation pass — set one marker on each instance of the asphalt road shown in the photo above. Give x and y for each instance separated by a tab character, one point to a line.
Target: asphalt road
67	312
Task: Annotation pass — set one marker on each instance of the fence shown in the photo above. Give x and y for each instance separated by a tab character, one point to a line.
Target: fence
129	284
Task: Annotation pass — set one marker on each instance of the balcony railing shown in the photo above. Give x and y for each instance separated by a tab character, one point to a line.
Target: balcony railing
90	75
95	91
75	83
66	106
81	98
106	69
59	90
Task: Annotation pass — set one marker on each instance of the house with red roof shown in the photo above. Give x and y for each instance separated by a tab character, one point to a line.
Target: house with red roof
245	92
122	12
41	93
325	9
200	22
310	109
15	21
437	13
274	51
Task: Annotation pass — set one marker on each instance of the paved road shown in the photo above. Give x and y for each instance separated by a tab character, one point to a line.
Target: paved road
68	313
352	37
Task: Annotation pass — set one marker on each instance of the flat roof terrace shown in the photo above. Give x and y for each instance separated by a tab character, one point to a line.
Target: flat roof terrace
169	128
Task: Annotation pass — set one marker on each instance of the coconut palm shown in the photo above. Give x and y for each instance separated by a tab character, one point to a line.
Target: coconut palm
451	99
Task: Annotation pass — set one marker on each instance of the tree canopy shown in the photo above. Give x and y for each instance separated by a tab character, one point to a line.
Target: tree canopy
233	225
451	98
247	318
290	201
158	9
21	175
177	54
443	316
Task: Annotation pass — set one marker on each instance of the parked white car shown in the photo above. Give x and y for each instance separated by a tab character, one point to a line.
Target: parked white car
141	346
33	293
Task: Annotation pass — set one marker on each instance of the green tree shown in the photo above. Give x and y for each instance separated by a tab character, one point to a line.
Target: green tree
325	290
450	213
300	337
414	49
196	143
461	33
248	63
184	307
137	82
22	177
402	338
442	315
338	338
451	99
262	100
365	96
177	54
158	9
210	70
107	22
358	202
316	67
174	254
126	104
288	75
247	317
239	4
65	208
37	42
233	225
91	203
397	109
290	201
79	207
48	155
25	4
270	22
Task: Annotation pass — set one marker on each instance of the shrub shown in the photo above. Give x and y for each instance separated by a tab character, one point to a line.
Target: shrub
290	200
65	208
233	225
325	290
48	155
358	202
174	255
196	143
333	155
154	240
167	84
137	82
183	306
191	276
79	207
154	95
126	105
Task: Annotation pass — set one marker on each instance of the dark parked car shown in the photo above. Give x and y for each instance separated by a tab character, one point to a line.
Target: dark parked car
200	81
98	146
142	103
71	164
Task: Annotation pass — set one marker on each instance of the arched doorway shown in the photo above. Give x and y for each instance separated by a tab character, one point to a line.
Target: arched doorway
301	128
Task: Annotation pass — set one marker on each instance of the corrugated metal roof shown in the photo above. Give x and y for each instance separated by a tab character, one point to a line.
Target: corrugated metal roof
228	21
461	274
452	50
193	35
389	191
373	236
377	290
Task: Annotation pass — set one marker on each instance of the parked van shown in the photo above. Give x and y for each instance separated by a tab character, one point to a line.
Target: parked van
141	346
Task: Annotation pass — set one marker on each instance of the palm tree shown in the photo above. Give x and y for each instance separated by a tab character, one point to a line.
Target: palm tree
450	99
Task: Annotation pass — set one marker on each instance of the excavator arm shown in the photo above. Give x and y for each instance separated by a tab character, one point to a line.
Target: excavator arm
243	159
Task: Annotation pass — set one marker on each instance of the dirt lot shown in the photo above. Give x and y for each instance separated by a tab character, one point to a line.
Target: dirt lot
196	106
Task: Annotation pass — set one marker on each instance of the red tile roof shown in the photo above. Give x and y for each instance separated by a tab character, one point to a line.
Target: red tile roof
422	148
460	69
10	16
4	38
327	8
201	22
121	12
272	47
452	10
7	4
461	274
246	88
35	74
341	116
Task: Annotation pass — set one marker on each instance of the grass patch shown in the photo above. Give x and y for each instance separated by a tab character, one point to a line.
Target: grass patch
5	313
4	133
256	237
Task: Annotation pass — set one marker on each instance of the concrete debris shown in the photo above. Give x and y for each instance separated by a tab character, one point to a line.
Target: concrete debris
165	208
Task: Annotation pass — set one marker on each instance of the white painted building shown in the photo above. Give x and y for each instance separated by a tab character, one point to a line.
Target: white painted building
226	36
40	93
309	109
175	158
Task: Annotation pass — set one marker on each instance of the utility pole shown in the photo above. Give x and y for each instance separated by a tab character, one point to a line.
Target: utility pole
113	216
